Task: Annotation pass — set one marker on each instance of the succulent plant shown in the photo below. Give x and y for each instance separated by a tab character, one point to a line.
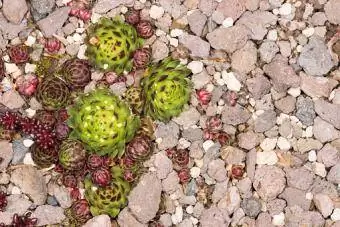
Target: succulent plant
145	29
184	175
46	66
72	155
61	130
181	158
167	89
203	96
3	201
52	45
62	115
103	122
78	213
110	199
53	93
132	16
77	73
46	117
9	120
2	68
111	44
24	220
6	134
101	177
134	97
139	148
237	171
94	161
214	123
19	54
69	180
147	127
45	138
27	85
44	157
141	58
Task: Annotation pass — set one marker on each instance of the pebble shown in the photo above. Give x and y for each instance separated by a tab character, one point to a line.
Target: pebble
228	22
177	217
156	12
195	172
308	32
272	35
195	67
285	9
28	143
14	10
231	81
268	144
319	169
266	158
28	159
324	204
312	156
336	215
208	144
48	215
279	219
283	143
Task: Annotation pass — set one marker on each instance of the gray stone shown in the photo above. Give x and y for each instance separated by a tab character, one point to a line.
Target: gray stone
248	140
283	75
196	22
244	59
296	216
188	117
265	121
165	220
214	217
315	58
286	129
264	219
332	12
268	50
235	115
300	178
103	6
169	134
276	206
217	170
328	112
185	223
31	182
12	99
9	30
17	204
324	204
269	182
286	104
62	195
53	22
6	154
229	39
197	46
258	86
207	6
220	191
334	174
14	10
265	103
200	79
245	187
305	110
196	150
144	199
48	215
296	197
304	145
257	22
100	220
251	207
317	87
40	8
163	165
328	155
19	151
171	183
231	8
159	50
250	163
325	187
232	155
125	218
192	134
72	49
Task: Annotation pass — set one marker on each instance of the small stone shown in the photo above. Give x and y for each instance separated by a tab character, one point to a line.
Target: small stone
214	217
200	80
28	143
334	174
286	104
163	165
304	145
300	178
268	144
228	22
159	50
197	46
266	158
279	219
272	35
336	215
324	204
12	100
178	216
48	215
41	8
312	156
248	140
6	154
305	110
197	22
331	10
188	118
156	12
268	50
265	121
100	220
235	115
244	59
328	155
195	172
195	67
230	80
283	144
319	169
328	112
251	207
217	170
285	9
232	155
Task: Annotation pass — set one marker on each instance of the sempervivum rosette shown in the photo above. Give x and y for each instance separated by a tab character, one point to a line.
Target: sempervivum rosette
110	199
111	44
77	73
78	213
72	155
44	157
53	93
139	148
167	89
103	122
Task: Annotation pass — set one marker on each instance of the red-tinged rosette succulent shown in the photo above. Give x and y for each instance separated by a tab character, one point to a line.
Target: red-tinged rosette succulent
109	161
79	212
3	201
77	73
28	126
203	96
84	14
9	120
145	29
27	85
46	117
129	175
45	138
181	159
208	135
2	68
44	157
24	220
94	161
110	77
101	177
184	175
237	171
61	130
62	115
139	148
69	180
171	152
75	193
132	16
214	123
222	137
141	58
52	45
19	54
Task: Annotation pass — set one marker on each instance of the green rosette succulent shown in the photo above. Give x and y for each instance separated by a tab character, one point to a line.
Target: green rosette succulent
166	89
103	122
111	43
72	155
110	199
53	93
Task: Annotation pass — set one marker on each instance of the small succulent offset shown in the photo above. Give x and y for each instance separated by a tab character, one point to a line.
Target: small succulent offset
167	89
110	199
19	54
139	148
103	122
78	213
53	93
111	44
44	157
77	73
72	155
46	66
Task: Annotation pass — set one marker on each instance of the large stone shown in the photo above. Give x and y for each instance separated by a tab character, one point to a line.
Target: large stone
324	204
328	112
48	215
332	11
315	58
232	8
296	197
31	182
265	121
144	199
197	46
258	86
103	6
334	174
300	178
324	131
317	87
328	155
126	219
40	8
296	216
197	22
14	10
6	154
235	115
10	30
229	39
244	59
53	22
305	110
